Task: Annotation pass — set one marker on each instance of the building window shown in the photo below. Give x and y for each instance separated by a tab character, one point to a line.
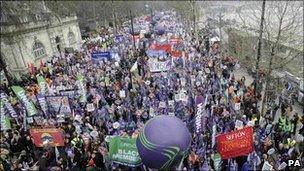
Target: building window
71	38
38	50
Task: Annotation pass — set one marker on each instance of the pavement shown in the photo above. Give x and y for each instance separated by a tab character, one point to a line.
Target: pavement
239	73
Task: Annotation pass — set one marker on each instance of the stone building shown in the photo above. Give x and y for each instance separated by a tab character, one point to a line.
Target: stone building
35	35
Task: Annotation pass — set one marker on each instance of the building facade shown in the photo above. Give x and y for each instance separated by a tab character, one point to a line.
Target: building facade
30	41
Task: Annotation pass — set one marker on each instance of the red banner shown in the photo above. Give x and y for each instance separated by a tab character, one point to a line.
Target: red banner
52	135
164	47
235	143
176	54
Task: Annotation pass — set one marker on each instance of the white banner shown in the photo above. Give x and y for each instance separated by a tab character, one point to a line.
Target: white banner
158	66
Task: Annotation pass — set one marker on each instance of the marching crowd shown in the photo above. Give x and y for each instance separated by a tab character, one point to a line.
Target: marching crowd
124	100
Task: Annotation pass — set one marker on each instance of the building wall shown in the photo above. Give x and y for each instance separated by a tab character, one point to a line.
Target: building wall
244	48
17	42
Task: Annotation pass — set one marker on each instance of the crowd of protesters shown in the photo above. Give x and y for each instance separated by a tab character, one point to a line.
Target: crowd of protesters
204	71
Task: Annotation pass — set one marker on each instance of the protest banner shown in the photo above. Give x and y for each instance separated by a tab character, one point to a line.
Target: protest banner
52	136
59	105
42	84
163	47
5	122
159	66
155	53
81	87
42	102
198	118
29	106
8	105
235	143
96	56
175	41
122	93
123	150
69	92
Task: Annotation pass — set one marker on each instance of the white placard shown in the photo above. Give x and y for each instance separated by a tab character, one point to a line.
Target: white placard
239	124
237	106
177	97
162	105
122	93
183	82
30	120
183	96
171	102
151	112
90	107
171	113
266	166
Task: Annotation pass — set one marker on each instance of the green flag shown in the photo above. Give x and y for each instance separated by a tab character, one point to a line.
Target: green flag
123	151
42	84
82	88
29	106
217	161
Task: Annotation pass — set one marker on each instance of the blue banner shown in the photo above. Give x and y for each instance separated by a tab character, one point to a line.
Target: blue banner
101	55
156	53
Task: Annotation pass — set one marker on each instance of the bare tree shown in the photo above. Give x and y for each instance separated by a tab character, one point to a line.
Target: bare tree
283	28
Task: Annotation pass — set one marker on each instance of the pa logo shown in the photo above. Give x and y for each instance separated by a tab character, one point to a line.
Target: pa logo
294	163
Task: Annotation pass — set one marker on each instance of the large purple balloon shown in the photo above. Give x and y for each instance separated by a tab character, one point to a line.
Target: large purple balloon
163	141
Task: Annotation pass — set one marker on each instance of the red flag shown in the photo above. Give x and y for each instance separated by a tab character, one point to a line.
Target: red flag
235	143
41	63
52	135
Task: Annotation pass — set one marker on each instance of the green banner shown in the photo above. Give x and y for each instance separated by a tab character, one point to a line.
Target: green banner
123	151
42	84
82	88
29	106
5	122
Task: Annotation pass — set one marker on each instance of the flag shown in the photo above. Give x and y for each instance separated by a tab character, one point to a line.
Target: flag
82	88
5	123
41	63
8	105
42	84
57	154
29	106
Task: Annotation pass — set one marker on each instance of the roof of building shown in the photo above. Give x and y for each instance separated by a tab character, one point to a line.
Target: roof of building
19	12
